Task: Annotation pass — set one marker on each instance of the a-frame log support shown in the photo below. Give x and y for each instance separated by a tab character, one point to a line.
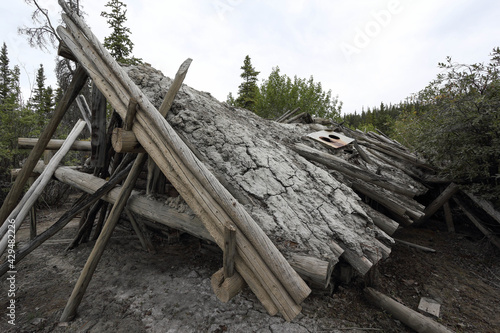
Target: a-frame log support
266	271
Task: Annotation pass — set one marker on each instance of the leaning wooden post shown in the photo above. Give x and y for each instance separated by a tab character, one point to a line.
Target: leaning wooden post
82	203
79	79
98	123
437	203
36	190
448	216
96	254
31	180
229	250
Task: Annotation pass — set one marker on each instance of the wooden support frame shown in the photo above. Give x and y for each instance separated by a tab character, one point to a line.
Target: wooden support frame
29	199
79	79
268	274
96	254
83	203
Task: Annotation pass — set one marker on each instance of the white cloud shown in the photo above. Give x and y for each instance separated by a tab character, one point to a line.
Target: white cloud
302	37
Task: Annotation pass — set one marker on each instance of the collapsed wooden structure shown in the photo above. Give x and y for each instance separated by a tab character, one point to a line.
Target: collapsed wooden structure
284	207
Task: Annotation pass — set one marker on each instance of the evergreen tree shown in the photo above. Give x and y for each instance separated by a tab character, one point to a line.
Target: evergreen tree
5	74
42	100
119	43
248	90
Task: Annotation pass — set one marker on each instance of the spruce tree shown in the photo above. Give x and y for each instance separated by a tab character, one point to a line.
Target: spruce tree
119	43
5	74
248	90
42	100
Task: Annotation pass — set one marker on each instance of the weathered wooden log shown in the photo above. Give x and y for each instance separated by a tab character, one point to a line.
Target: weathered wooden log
140	231
84	111
33	232
29	199
409	317
362	153
494	239
315	271
448	216
86	226
96	254
54	144
286	115
346	168
192	181
416	246
78	81
385	223
81	204
130	115
485	205
438	203
304	117
125	142
388	202
99	140
397	153
225	288
229	250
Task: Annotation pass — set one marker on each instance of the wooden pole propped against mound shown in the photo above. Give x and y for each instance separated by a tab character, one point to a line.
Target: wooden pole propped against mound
258	261
79	78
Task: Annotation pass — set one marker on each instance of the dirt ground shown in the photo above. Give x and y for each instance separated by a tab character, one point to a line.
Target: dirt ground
136	291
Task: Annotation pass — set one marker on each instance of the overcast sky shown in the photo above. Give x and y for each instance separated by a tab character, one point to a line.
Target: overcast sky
365	51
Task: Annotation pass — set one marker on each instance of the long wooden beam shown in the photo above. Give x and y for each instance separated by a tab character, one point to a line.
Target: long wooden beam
54	144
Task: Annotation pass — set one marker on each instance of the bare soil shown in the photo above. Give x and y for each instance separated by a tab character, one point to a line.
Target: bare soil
169	291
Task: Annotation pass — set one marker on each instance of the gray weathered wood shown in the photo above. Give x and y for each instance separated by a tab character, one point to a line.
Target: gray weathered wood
438	203
98	122
79	79
416	246
96	254
54	144
35	191
350	170
409	317
229	250
494	239
84	111
485	205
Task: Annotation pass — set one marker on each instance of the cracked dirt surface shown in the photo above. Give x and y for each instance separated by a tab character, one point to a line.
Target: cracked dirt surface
136	291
